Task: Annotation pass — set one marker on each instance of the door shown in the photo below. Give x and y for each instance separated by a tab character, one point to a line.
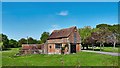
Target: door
73	48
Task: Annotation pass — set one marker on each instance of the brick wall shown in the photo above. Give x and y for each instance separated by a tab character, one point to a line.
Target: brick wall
63	40
78	47
51	48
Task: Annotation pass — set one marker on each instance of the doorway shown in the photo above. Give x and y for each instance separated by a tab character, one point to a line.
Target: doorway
73	48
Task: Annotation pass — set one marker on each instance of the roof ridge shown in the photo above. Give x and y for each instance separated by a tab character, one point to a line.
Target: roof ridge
71	30
65	28
62	32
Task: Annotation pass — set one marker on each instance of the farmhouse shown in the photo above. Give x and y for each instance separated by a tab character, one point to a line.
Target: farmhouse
63	41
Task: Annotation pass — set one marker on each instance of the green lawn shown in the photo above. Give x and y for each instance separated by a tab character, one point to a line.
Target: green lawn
81	59
107	49
110	49
0	58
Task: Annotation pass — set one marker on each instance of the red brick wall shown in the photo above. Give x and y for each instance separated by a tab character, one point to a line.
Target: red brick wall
63	40
78	47
52	49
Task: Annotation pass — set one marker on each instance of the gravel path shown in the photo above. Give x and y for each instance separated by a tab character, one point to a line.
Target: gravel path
100	52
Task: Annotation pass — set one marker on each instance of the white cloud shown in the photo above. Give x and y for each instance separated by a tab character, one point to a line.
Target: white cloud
54	27
63	13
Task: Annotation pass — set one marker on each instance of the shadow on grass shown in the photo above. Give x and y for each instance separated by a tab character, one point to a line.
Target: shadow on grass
6	49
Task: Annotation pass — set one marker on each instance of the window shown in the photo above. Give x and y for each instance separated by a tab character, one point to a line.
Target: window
50	46
58	46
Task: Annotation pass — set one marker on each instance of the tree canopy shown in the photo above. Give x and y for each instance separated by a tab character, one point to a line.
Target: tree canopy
44	36
13	43
5	41
86	32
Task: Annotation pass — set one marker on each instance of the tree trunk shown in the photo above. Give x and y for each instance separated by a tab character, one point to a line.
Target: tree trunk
87	47
100	46
103	45
114	45
83	47
0	48
93	47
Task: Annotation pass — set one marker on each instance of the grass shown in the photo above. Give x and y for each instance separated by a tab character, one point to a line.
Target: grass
78	59
107	49
110	49
0	58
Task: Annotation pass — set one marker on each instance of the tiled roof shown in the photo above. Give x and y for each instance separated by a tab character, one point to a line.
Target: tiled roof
61	33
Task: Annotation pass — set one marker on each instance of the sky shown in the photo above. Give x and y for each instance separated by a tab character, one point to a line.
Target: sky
0	17
22	19
60	0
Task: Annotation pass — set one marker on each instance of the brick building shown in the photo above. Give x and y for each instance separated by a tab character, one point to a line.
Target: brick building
63	41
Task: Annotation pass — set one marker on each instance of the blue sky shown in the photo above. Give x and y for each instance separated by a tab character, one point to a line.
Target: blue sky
0	17
22	19
60	0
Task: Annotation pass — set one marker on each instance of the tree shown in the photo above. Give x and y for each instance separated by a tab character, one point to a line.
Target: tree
116	32
4	42
102	26
39	41
1	46
13	43
104	35
1	43
113	28
22	41
112	39
92	40
44	36
85	34
32	41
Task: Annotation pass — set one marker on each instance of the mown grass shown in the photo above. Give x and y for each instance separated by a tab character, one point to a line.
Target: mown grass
110	49
78	59
0	58
107	49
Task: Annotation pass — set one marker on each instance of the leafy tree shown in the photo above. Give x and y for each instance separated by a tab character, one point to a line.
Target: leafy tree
113	28
4	42
44	36
32	41
116	31
112	39
1	43
104	35
1	46
22	41
39	41
85	32
102	26
13	43
92	40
